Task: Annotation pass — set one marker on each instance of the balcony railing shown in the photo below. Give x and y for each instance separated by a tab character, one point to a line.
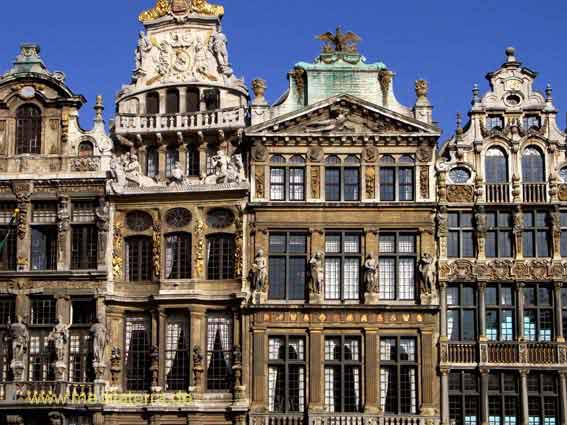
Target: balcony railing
535	192
204	120
498	192
278	419
462	352
338	419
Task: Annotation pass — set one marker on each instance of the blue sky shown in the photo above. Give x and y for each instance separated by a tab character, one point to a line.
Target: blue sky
452	44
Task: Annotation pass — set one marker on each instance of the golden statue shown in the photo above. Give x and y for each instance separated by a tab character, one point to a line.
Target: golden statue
164	7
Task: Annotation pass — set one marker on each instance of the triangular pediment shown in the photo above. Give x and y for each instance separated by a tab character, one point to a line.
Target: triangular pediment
342	115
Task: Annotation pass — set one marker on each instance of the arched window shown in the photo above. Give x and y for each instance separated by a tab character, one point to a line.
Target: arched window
152	162
139	257
397	178
171	158
220	257
152	103
193	100
496	166
172	101
533	165
342	180
28	129
86	149
178	256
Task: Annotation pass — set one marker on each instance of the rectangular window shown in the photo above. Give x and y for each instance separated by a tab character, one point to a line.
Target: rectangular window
137	353
171	159
398	375
503	398
43	311
80	355
332	184
351	184
193	161
494	121
406	179
84	247
461	314
461	235
342	266
499	236
543	399
387	184
536	234
464	397
7	310
41	353
500	312
342	374
287	265
277	184
538	313
219	352
177	353
397	266
44	248
44	212
286	374
83	311
296	187
8	236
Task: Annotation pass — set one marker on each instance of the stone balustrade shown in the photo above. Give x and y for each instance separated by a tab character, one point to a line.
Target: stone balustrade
197	121
339	419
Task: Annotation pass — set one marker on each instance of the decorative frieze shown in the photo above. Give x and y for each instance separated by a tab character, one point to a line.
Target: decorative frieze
460	193
497	270
346	316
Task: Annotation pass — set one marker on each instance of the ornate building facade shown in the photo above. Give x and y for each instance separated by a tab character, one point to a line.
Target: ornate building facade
215	259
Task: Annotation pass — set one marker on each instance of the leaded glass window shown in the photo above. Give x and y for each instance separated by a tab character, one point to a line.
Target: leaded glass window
397	266
461	314
536	234
543	398
461	235
464	397
503	398
538	313
177	352
28	130
219	352
287	265
286	374
500	312
178	256
533	165
343	364
499	236
496	166
397	178
342	266
139	256
137	353
220	257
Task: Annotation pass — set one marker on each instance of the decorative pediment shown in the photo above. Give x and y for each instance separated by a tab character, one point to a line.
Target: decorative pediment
343	114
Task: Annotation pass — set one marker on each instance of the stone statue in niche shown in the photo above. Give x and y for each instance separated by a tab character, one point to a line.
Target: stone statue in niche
259	272
371	274
316	273
100	339
102	213
218	46
20	339
60	337
426	269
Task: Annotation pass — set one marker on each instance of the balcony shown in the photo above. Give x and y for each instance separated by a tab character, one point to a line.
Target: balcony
498	193
338	419
45	391
508	353
196	121
534	193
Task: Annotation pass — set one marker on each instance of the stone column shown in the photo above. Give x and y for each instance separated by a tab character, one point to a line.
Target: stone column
484	396
162	101
563	396
444	396
316	361
428	363
162	324
155	352
162	152
115	320
203	158
259	403
198	339
520	310
443	309
482	310
183	157
182	100
524	395
143	158
372	367
557	286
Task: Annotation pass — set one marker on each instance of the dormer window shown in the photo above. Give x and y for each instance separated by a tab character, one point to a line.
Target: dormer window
532	122
28	130
495	122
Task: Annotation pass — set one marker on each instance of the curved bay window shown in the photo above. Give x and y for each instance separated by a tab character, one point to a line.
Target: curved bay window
178	256
543	399
343	361
461	314
503	398
220	256
286	374
397	178
398	375
219	351
496	166
28	130
139	258
342	178
152	161
287	179
538	313
464	399
152	103
533	165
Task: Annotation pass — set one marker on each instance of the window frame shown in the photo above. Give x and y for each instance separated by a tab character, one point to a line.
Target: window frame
464	395
343	259
181	381
397	256
542	396
224	385
224	271
143	383
342	365
538	308
498	231
502	395
288	168
29	123
500	309
460	231
288	255
183	244
41	355
532	234
81	355
342	166
287	363
144	265
396	166
461	308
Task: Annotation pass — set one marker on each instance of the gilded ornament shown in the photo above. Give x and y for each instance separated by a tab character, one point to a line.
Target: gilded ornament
161	8
203	7
200	251
117	261
157	249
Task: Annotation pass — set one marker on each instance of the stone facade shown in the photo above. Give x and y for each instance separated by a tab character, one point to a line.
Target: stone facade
217	259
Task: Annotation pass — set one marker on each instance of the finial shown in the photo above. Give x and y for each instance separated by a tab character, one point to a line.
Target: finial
511	54
459	121
259	87
476	94
548	92
421	88
99	107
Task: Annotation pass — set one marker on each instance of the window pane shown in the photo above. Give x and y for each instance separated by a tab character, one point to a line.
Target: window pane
469	325
352	244
387	278
351	184
387	184
332	278
387	244
296	278
332	184
351	278
407	278
277	275
333	244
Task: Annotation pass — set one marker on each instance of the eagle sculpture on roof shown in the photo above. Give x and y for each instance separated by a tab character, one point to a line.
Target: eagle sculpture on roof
339	42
